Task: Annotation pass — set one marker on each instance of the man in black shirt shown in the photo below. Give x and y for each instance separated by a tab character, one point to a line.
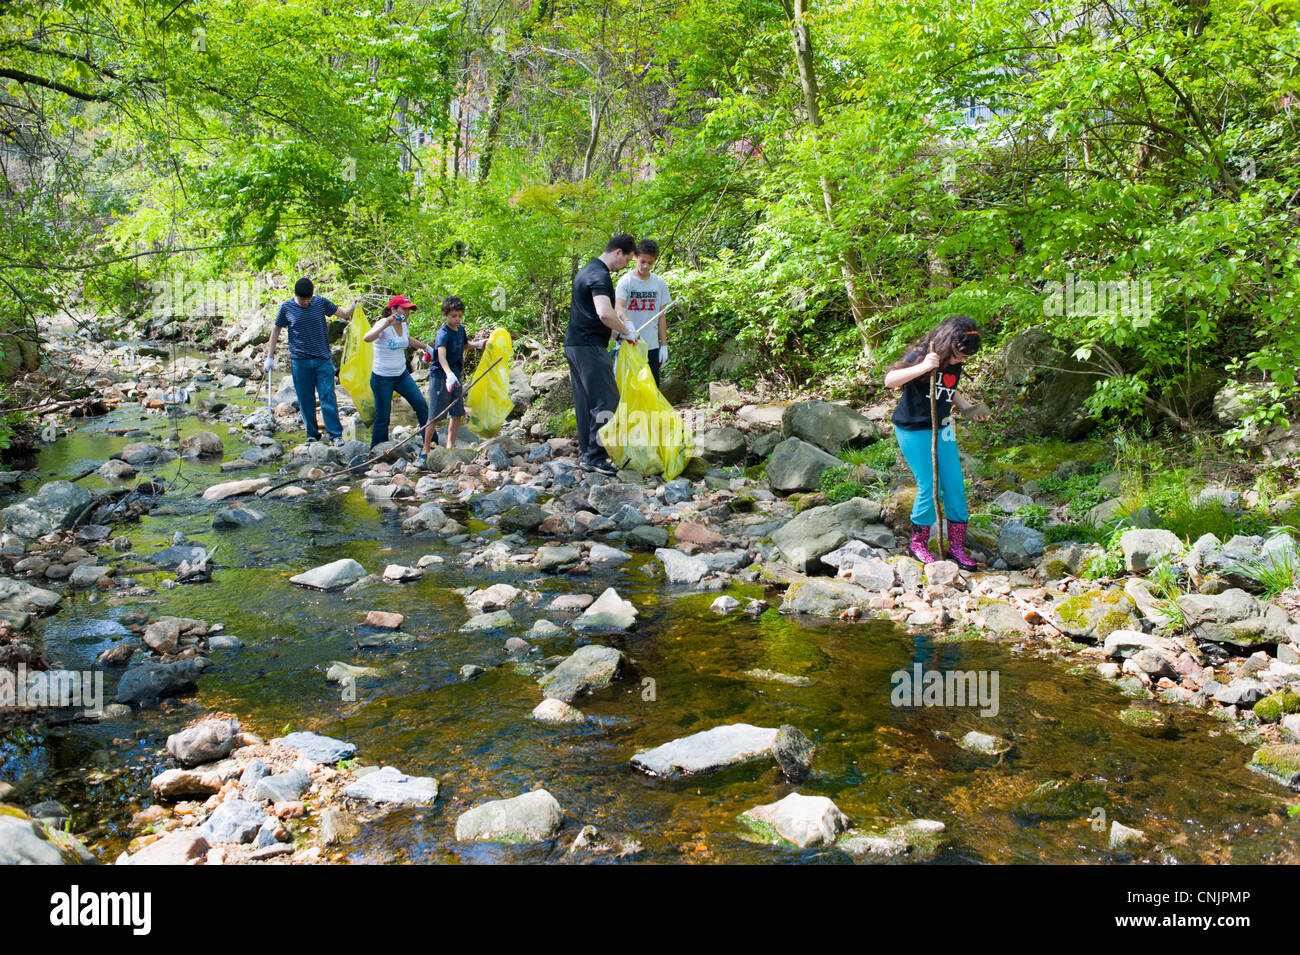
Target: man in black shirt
586	348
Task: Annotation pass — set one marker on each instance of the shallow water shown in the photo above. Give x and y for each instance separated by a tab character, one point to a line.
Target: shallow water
1190	791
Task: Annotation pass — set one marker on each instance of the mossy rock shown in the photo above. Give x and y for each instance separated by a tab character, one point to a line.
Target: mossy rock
803	502
1133	688
1095	615
1280	761
1146	722
1063	799
1273	708
917	840
695	468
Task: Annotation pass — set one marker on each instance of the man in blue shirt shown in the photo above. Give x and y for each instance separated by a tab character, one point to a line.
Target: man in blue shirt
310	363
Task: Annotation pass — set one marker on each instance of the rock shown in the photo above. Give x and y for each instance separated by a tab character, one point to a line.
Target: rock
1096	614
706	751
202	444
794	753
204	742
589	668
604	554
873	574
609	498
831	427
57	505
532	817
1239	693
724	605
678	491
797	466
681	569
22	597
391	787
798	819
1234	617
496	620
1279	761
331	576
552	710
1059	384
236	516
115	470
397	573
1146	547
318	749
984	744
337	826
384	620
1010	501
429	517
219	492
233	822
608	612
916	840
522	517
496	597
647	537
721	446
177	554
823	597
182	847
138	453
941	573
174	784
1019	545
1122	836
1122	644
150	681
284	787
552	558
818	531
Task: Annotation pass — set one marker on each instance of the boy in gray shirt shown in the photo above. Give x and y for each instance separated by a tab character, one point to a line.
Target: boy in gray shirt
641	295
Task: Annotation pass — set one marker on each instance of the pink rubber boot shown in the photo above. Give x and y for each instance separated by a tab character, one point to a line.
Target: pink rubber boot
919	546
957	546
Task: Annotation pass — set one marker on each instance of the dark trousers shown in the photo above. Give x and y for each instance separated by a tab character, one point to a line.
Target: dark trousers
312	377
383	387
595	396
652	356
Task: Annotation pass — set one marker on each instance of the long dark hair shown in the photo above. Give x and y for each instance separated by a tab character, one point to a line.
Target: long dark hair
954	333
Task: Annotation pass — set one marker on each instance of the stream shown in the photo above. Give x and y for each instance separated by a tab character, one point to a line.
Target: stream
1188	789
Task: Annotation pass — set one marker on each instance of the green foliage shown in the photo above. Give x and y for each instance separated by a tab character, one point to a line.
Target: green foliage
1273	573
1109	564
838	486
1033	515
1057	533
880	455
1079	490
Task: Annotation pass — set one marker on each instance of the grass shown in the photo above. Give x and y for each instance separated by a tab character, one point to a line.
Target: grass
837	486
1272	573
1164	582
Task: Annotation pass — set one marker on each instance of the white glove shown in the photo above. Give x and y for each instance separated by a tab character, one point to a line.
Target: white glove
452	382
428	354
270	363
663	355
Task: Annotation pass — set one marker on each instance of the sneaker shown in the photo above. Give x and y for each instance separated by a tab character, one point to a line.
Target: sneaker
311	440
421	461
336	442
602	467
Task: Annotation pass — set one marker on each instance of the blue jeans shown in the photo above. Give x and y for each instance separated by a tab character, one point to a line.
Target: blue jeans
383	386
915	446
312	377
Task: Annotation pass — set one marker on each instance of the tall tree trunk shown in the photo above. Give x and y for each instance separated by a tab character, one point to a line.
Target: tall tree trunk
850	263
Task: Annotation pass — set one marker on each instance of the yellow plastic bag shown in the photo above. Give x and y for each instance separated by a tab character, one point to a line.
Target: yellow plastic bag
646	432
354	370
488	399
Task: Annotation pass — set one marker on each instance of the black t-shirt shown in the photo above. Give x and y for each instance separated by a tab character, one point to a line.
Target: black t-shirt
913	411
585	326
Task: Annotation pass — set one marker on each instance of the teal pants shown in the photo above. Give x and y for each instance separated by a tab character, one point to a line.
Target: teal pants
915	446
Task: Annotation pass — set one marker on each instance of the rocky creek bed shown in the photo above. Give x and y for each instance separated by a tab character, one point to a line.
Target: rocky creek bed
505	658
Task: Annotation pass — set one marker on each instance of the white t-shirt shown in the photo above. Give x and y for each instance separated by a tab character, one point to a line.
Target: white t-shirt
644	298
390	351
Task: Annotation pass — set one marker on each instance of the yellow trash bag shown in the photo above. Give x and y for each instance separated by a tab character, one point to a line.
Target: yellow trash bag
488	398
646	432
354	370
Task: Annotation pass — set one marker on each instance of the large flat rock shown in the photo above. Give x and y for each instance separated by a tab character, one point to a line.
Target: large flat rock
708	751
331	576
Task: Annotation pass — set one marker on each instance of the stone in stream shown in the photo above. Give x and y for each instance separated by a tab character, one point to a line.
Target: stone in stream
797	819
795	465
204	742
22	597
522	517
707	751
86	576
570	603
174	784
543	628
552	710
340	672
917	839
1237	693
1095	614
873	574
236	516
177	554
392	787
1235	617
115	470
398	573
202	444
140	452
588	668
774	676
1279	761
646	537
24	841
331	576
724	605
832	427
429	517
823	597
182	847
150	681
338	826
496	620
794	753
608	498
503	499
219	492
549	558
608	612
680	568
1146	547
1122	836
496	597
283	787
532	817
384	620
319	749
678	491
985	744
604	554
818	531
233	822
57	505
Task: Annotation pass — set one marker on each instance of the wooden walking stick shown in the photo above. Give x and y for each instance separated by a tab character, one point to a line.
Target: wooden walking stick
934	455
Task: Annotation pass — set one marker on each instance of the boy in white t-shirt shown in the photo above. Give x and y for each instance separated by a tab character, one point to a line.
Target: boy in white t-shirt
641	295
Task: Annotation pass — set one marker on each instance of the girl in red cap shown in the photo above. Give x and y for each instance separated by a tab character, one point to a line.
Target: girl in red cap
388	374
936	361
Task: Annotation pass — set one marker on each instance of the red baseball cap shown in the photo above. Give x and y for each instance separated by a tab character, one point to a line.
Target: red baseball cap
401	301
